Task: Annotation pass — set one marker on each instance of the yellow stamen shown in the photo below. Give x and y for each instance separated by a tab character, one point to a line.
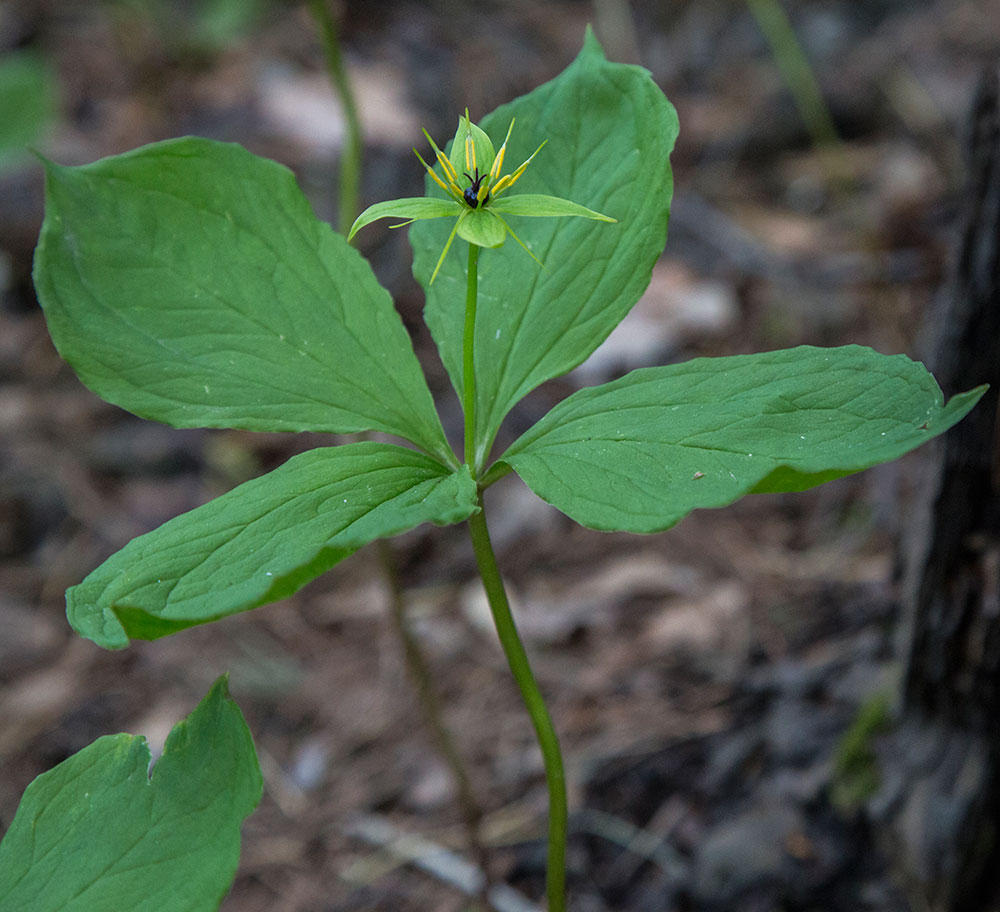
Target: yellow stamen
501	185
470	151
508	180
449	170
498	161
430	171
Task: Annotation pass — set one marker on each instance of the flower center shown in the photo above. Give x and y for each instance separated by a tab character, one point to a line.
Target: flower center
472	191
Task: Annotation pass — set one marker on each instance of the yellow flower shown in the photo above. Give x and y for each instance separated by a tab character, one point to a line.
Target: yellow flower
478	202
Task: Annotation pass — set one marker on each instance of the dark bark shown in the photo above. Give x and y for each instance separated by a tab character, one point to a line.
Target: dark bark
946	816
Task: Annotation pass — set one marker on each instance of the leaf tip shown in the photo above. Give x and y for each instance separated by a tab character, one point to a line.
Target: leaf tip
220	687
94	622
591	45
359	223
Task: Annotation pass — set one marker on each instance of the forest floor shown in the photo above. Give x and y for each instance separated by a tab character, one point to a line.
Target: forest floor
702	680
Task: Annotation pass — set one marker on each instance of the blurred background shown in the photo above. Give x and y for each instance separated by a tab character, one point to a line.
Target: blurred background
719	687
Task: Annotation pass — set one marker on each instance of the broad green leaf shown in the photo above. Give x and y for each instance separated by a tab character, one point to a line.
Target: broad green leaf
610	131
189	282
642	452
413	207
539	205
98	833
27	104
264	540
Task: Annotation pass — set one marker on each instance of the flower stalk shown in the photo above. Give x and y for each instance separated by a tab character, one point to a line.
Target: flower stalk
503	620
548	740
479	207
469	359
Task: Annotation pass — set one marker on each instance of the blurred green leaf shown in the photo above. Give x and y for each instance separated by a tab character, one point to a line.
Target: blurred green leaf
27	104
202	27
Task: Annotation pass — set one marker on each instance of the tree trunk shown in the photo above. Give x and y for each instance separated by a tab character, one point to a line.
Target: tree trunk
945	815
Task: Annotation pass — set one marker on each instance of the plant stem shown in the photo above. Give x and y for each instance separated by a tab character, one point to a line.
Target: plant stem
496	595
350	159
517	659
468	358
798	74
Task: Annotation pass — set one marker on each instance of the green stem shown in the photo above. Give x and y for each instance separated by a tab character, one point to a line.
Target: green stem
350	160
798	74
468	358
494	473
496	595
517	659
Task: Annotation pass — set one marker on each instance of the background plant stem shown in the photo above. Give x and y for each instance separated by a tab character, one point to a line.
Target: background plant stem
350	157
468	358
517	658
420	673
798	74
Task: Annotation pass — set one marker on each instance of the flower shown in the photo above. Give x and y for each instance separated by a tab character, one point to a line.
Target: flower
479	202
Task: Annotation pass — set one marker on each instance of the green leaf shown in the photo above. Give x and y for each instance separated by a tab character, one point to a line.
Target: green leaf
189	282
413	207
98	833
642	452
482	227
538	204
264	540
27	104
610	131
